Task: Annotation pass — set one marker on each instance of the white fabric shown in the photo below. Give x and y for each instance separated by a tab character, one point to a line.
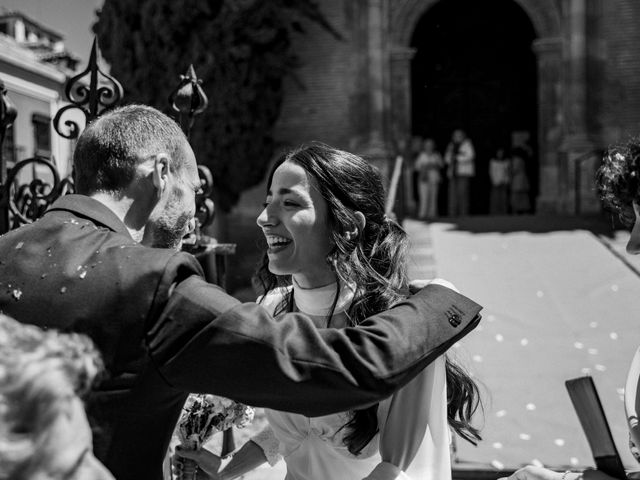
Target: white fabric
268	442
429	164
499	171
413	441
464	161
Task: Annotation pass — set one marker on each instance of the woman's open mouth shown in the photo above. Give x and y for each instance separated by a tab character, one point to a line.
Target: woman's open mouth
277	243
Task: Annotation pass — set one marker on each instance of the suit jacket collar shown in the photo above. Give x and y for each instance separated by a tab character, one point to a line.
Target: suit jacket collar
90	209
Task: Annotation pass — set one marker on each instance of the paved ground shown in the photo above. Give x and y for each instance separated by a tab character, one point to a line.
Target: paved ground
561	300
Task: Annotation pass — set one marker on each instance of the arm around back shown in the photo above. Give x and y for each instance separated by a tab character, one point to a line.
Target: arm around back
206	341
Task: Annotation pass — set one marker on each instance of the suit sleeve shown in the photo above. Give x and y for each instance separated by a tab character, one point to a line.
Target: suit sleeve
206	341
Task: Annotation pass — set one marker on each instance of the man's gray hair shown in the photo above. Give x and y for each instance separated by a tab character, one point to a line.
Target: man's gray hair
111	147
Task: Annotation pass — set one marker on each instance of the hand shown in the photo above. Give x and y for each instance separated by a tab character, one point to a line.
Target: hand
534	473
208	464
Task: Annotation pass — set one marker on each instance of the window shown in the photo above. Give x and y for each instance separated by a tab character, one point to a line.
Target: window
42	135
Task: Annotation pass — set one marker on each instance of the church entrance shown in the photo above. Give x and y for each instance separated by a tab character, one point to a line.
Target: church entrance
474	69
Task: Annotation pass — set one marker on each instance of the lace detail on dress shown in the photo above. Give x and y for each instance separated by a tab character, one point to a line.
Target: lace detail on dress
634	449
269	444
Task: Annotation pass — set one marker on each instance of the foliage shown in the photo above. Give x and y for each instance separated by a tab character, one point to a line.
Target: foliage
241	49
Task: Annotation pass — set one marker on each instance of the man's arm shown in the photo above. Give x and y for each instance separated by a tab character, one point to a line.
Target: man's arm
206	341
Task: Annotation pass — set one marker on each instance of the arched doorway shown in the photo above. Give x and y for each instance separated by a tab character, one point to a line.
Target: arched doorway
474	68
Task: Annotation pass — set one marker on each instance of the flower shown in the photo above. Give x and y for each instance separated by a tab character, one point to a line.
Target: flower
203	415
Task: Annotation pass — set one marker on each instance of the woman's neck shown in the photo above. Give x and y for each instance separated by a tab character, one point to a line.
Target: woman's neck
314	280
320	301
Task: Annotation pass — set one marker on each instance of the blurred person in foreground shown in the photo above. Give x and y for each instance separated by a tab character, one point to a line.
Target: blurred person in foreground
106	262
44	432
618	180
351	261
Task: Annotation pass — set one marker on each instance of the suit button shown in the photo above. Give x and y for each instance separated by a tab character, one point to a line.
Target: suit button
454	319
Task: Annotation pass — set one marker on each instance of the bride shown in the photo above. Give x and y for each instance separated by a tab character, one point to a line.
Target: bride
334	255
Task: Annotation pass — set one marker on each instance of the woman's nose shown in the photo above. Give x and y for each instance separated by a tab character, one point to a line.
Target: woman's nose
266	217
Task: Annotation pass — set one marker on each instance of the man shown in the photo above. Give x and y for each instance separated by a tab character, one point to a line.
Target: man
459	157
162	330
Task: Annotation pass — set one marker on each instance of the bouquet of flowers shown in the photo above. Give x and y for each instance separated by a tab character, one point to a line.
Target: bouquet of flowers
204	414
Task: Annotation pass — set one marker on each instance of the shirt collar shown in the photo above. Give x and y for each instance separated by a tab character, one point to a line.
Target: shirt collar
90	209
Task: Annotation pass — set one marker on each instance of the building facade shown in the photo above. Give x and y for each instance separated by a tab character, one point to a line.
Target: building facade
34	67
564	74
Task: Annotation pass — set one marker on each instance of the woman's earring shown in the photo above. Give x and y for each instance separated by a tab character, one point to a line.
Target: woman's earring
351	235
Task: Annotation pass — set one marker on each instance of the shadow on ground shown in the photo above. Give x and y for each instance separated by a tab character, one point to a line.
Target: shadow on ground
604	224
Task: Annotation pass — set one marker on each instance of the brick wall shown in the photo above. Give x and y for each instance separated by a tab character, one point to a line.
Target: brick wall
319	109
621	104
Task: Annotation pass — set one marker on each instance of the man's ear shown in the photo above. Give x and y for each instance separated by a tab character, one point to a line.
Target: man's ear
160	172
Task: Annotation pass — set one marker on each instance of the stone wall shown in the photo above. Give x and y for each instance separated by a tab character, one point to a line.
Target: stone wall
319	103
621	89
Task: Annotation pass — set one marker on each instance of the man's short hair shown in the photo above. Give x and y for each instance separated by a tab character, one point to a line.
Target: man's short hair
111	147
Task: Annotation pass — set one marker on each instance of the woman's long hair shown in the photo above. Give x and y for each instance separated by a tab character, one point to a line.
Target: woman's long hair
373	261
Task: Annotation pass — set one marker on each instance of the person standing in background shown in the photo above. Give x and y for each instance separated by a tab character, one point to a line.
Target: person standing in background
499	173
460	160
520	200
416	146
428	165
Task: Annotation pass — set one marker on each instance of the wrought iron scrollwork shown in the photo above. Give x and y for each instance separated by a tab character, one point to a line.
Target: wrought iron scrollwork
102	93
205	209
188	99
28	201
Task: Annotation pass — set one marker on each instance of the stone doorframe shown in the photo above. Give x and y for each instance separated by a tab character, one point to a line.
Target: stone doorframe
545	17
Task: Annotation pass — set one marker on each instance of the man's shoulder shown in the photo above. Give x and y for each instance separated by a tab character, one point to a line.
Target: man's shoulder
139	258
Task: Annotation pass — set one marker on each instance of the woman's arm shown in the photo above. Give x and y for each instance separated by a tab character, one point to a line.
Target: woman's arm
249	457
416	429
632	399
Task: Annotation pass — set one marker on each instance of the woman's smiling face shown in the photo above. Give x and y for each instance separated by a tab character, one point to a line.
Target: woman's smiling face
296	227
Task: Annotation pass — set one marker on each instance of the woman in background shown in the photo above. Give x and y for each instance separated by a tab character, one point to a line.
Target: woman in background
428	164
499	173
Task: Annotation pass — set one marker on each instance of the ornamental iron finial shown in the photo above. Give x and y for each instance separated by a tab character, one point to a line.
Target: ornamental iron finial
103	92
188	99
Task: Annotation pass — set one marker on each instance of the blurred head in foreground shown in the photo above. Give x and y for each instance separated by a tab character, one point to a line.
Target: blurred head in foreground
44	432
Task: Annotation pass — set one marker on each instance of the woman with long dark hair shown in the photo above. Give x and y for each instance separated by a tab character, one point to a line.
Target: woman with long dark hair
333	254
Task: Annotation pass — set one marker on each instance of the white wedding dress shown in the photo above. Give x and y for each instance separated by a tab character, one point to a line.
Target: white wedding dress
413	439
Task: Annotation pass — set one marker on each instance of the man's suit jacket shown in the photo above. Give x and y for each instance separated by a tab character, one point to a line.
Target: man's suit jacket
164	332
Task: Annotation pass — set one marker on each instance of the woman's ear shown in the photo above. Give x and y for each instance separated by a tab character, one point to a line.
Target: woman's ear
361	220
358	228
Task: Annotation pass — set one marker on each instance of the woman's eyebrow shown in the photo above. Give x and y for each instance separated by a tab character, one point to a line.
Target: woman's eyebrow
286	190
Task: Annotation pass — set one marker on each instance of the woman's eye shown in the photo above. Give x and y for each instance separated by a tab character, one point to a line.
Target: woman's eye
290	203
